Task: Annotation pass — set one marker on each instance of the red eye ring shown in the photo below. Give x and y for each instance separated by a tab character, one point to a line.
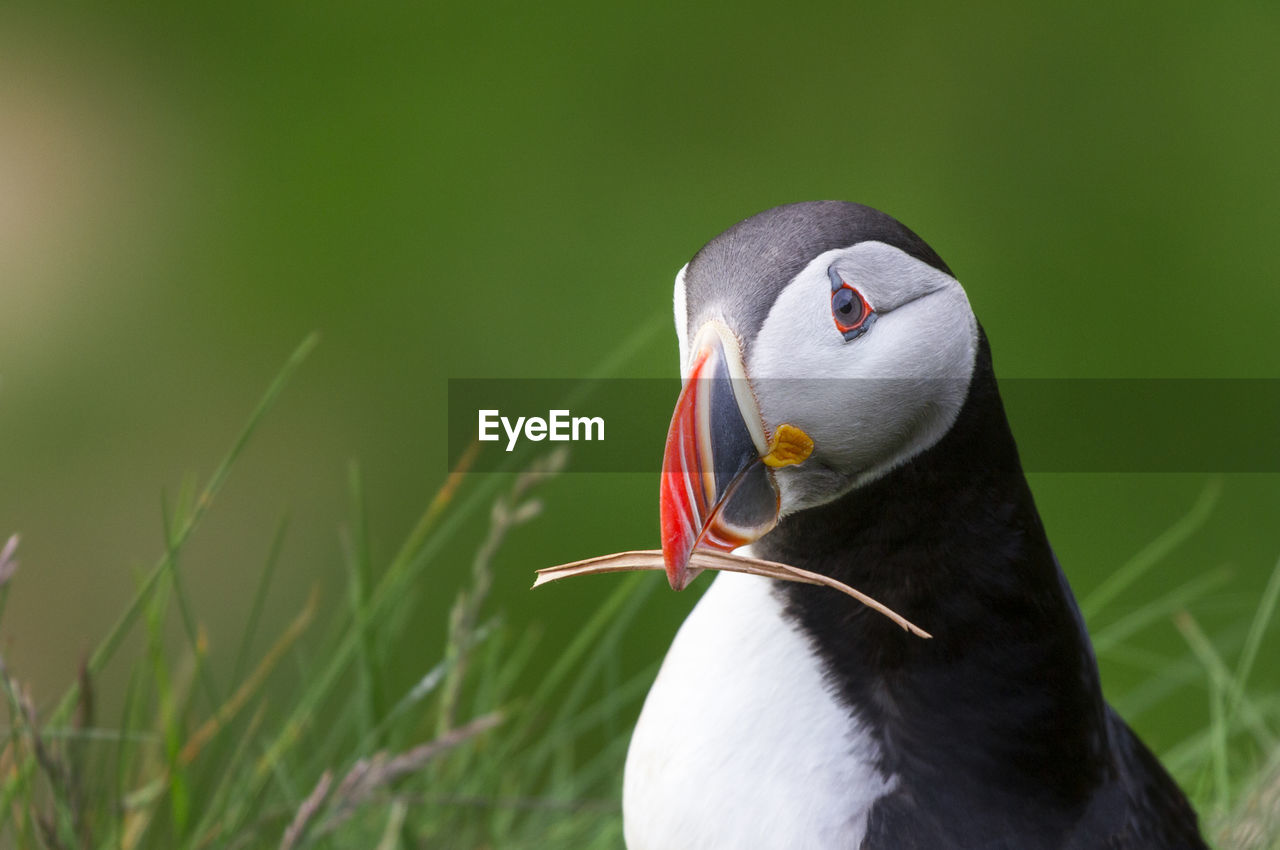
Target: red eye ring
852	314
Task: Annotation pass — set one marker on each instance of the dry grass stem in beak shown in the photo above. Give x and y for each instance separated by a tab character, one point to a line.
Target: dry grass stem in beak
651	559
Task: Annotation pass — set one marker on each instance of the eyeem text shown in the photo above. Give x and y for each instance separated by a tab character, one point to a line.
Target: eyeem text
559	426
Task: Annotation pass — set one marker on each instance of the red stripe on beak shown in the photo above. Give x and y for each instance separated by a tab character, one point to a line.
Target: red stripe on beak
684	499
716	491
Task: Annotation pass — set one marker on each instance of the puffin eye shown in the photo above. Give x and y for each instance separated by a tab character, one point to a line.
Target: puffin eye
852	313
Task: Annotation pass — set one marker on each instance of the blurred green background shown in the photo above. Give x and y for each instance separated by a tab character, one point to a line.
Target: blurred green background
507	190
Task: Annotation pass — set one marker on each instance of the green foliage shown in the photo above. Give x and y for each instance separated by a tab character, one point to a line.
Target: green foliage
345	760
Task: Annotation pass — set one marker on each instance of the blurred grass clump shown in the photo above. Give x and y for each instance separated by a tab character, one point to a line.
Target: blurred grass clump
471	753
344	760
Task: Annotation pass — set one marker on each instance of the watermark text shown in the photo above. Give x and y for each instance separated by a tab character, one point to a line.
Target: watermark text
559	426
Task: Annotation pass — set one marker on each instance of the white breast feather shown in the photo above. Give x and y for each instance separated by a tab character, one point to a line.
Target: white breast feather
741	743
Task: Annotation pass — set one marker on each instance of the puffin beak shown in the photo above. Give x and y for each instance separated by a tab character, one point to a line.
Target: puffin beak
718	486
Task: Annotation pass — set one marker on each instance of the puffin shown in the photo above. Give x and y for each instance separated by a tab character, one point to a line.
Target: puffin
839	412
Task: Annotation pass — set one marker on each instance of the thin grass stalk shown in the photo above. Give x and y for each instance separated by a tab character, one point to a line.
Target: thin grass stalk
1155	551
104	651
205	830
359	579
170	561
228	710
1220	675
1159	609
64	827
1257	628
509	511
260	598
8	567
1218	732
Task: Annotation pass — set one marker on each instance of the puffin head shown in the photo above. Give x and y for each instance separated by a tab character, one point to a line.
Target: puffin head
822	344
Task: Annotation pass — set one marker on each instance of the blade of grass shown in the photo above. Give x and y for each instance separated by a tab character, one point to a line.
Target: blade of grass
228	710
168	721
1157	610
597	714
8	566
609	619
1168	674
634	589
652	560
359	577
126	756
390	839
1203	649
224	714
1192	752
18	769
170	561
65	821
107	647
259	599
1155	551
509	511
1261	619
421	689
206	830
417	550
1221	677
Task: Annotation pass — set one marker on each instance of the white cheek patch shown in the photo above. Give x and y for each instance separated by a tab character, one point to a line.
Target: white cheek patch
874	402
682	318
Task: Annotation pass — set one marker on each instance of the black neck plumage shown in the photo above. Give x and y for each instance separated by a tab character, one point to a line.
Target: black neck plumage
1008	686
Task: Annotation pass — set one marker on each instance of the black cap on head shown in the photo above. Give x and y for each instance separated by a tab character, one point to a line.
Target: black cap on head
742	270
